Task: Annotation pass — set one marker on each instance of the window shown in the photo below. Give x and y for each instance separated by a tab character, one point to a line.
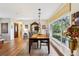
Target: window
65	22
59	27
56	30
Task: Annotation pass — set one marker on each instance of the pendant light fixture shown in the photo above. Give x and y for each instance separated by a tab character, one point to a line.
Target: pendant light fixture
39	14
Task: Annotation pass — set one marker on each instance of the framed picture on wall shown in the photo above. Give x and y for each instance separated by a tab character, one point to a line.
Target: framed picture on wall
4	27
26	26
43	26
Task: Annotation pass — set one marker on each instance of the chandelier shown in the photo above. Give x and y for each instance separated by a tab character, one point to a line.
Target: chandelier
39	14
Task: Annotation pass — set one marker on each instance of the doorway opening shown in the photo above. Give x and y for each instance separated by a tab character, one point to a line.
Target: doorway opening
15	30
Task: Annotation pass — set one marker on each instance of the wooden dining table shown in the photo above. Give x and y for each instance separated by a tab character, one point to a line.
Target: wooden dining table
39	37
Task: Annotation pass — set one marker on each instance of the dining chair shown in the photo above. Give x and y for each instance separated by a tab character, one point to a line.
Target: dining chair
25	36
33	41
44	41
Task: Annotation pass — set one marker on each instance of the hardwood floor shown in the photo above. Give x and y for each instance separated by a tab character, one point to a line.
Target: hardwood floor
19	47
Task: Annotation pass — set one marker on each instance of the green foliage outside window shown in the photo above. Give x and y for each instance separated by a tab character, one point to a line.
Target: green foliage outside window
58	28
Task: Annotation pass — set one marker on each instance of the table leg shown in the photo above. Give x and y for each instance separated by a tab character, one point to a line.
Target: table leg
48	47
29	45
37	43
40	44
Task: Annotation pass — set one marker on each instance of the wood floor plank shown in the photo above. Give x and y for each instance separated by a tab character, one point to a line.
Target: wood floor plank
20	48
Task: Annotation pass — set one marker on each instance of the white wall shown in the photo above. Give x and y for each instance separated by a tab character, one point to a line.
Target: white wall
11	30
74	7
6	36
29	22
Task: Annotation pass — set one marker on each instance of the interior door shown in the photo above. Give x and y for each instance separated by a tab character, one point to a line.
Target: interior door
15	30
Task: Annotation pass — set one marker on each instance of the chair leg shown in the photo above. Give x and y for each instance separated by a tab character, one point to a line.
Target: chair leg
40	45
37	44
48	48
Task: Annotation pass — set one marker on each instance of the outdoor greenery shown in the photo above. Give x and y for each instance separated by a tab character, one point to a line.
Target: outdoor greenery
58	28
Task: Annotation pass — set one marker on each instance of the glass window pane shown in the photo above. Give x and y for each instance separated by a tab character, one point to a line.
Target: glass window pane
65	24
59	27
56	30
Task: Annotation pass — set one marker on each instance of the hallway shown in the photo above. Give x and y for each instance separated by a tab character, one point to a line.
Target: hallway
20	48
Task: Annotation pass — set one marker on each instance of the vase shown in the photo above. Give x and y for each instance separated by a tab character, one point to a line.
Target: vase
77	50
73	45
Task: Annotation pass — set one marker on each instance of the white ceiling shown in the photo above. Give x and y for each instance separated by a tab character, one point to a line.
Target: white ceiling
27	11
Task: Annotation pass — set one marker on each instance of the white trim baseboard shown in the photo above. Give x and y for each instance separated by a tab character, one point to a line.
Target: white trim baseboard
62	48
